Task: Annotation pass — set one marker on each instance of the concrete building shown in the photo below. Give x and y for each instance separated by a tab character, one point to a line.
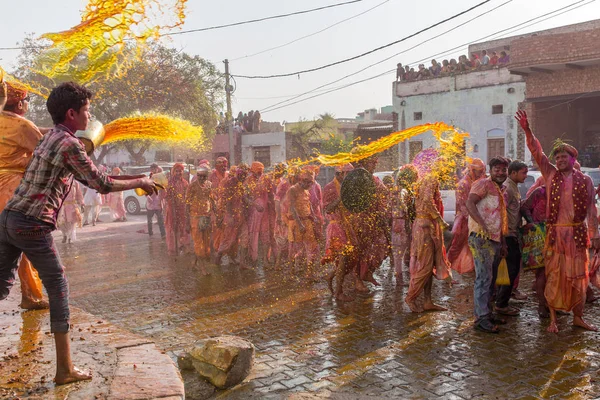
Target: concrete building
481	103
563	86
268	148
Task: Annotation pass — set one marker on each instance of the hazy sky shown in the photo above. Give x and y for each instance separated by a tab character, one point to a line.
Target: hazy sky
391	21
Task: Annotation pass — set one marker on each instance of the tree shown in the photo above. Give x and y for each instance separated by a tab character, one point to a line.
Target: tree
163	80
304	134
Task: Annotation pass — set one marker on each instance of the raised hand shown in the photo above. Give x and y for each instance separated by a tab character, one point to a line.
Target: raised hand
521	116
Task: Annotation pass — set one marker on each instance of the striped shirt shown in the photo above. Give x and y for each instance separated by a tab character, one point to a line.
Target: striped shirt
58	159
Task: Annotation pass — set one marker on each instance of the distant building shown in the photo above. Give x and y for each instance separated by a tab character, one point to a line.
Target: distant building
554	74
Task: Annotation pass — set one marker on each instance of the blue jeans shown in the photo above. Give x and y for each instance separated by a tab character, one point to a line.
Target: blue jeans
486	254
22	234
159	217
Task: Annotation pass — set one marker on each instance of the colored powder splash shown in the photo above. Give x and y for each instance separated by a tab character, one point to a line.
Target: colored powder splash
450	140
94	48
156	127
39	90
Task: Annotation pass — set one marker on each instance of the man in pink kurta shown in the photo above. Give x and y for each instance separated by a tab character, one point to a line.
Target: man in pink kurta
340	236
69	216
572	221
427	258
233	209
459	254
281	221
217	176
176	226
258	218
372	230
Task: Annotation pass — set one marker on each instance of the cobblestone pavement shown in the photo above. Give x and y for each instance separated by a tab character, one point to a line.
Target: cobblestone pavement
309	346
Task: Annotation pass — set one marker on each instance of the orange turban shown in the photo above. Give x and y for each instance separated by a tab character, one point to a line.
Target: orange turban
178	166
257	167
476	163
14	95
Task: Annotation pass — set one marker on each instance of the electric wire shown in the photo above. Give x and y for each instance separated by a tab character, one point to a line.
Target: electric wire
367	52
273	108
312	34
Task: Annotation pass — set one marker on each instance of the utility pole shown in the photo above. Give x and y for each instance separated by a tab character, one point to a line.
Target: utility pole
229	116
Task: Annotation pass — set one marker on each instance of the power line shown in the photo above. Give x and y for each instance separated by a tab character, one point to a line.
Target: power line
366	53
446	51
392	56
221	26
426	58
261	19
314	33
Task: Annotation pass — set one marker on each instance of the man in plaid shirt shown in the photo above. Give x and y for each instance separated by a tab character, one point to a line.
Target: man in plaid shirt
27	222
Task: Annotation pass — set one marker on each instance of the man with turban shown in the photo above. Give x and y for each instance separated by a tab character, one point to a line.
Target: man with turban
233	208
459	254
178	237
259	191
572	221
216	178
200	206
316	200
18	139
274	179
403	216
338	248
372	230
116	202
281	213
427	258
301	217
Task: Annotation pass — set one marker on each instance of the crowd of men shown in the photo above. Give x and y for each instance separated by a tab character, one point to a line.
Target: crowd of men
248	217
450	67
244	216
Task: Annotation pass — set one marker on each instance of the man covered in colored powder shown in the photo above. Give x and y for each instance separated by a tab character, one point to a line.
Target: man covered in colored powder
176	226
27	222
116	202
69	216
459	254
403	216
301	217
281	219
274	178
338	248
572	221
18	138
200	207
259	197
372	230
427	258
216	178
488	226
233	208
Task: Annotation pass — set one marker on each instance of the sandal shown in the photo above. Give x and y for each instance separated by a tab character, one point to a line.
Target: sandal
487	326
510	311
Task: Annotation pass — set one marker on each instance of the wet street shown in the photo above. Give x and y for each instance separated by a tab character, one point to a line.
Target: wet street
307	345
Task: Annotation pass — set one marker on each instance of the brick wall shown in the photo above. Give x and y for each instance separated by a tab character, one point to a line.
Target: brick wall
563	82
555	49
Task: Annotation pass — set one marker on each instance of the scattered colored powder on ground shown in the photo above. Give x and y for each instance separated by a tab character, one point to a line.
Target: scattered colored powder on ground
156	127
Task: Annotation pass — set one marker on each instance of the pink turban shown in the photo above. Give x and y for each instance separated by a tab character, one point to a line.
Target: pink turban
344	168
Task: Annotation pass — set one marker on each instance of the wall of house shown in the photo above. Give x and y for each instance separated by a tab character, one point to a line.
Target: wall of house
276	142
468	108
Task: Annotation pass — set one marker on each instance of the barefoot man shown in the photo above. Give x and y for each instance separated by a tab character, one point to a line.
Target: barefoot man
338	247
426	254
19	136
302	219
572	221
29	217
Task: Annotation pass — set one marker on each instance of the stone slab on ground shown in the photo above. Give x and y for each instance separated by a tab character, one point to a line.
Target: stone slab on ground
123	365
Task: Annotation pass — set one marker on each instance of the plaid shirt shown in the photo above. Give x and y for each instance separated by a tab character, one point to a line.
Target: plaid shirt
58	158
